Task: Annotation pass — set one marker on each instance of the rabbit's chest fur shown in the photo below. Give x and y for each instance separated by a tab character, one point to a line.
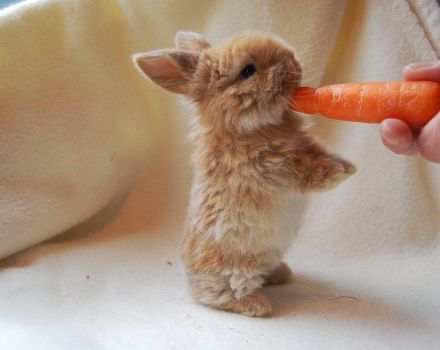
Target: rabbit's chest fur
242	192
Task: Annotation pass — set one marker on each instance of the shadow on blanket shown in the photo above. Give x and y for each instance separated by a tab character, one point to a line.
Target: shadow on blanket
313	298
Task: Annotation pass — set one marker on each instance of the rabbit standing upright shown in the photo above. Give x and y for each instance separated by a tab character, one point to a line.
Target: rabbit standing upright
250	152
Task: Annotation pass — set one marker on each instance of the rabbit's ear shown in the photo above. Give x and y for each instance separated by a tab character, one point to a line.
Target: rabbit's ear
191	41
170	69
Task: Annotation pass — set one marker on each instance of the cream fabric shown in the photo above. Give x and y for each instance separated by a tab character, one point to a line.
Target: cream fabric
79	126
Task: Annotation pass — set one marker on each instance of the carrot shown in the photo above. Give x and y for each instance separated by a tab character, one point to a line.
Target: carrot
415	102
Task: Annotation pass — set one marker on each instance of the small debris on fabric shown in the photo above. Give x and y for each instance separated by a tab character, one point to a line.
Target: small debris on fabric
345	297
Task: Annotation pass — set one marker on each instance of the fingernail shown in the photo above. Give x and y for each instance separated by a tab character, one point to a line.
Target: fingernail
420	65
389	137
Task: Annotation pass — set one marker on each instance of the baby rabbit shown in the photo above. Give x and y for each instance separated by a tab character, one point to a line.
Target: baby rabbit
250	152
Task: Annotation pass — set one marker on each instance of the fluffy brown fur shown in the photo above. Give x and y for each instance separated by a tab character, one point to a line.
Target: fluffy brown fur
250	152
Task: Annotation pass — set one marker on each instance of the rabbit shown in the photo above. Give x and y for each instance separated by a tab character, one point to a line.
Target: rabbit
250	151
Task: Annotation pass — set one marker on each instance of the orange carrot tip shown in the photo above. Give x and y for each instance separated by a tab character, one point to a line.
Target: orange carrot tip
414	102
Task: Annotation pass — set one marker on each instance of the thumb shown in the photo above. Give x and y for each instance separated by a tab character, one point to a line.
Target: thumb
429	140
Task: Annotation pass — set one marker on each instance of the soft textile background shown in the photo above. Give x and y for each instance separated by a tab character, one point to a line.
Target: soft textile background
79	126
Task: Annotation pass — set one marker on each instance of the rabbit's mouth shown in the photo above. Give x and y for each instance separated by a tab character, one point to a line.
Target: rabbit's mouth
283	95
283	82
292	77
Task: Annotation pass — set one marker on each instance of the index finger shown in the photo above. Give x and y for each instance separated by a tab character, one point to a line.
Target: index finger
422	71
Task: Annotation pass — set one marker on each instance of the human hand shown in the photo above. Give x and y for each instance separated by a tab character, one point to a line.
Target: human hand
399	137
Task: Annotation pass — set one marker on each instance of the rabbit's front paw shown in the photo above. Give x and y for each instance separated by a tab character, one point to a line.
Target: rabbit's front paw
330	172
342	170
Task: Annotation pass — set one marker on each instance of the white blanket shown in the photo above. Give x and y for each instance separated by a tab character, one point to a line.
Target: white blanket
78	126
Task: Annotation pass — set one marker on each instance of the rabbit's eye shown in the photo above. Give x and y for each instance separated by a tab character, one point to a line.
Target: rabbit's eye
247	71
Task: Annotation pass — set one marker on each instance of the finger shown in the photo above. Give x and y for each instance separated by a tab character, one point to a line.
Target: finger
398	137
422	71
429	140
